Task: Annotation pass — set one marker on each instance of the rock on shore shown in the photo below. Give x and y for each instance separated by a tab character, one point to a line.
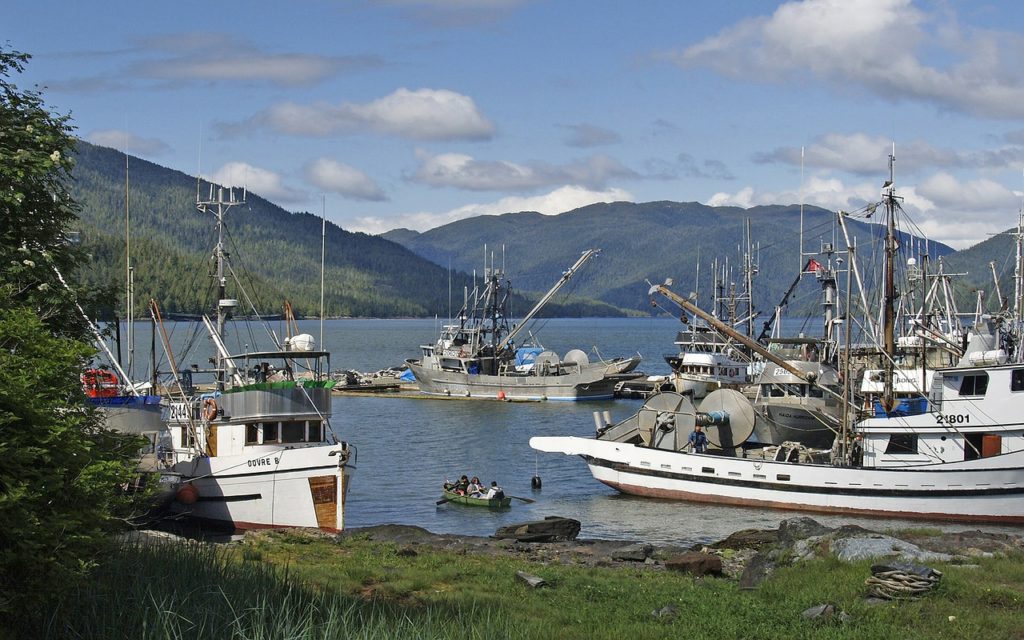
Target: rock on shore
749	555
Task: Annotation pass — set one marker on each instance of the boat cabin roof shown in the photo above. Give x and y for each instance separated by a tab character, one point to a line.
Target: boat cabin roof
282	355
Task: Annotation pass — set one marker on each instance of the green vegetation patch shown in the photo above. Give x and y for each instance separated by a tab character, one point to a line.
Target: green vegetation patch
302	585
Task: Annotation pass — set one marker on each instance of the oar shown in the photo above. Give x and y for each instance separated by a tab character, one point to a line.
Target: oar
526	500
442	500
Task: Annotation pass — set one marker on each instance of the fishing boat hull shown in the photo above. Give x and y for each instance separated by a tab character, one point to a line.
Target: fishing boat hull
589	384
810	426
137	415
982	490
301	487
492	503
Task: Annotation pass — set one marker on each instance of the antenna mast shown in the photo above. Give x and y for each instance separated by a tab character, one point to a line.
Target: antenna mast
219	206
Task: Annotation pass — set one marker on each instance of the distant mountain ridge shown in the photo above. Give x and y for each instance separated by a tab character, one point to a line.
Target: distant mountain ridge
405	273
648	241
277	252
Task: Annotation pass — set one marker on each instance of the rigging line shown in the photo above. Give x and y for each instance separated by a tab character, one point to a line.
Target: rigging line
244	291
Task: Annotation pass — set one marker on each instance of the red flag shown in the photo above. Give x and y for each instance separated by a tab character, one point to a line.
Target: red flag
813	265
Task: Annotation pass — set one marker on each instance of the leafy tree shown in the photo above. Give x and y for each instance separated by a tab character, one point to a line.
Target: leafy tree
59	467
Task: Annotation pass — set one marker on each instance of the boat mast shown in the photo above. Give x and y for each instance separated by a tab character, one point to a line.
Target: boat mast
219	207
1018	286
888	309
129	277
749	270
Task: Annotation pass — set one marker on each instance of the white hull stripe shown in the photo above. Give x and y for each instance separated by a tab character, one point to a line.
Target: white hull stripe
270	472
801	488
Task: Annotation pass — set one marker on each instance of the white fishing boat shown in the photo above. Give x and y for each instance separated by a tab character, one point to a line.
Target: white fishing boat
478	357
958	456
255	448
707	361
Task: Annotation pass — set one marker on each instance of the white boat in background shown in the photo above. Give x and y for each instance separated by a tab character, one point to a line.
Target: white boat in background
256	449
706	362
478	357
958	456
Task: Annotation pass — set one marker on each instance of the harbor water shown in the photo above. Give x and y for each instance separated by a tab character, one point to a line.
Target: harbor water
407	447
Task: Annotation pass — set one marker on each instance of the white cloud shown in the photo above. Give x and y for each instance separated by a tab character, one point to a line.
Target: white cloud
980	196
217	57
422	114
128	142
874	44
262	182
338	177
820	191
942	207
465	172
558	201
866	155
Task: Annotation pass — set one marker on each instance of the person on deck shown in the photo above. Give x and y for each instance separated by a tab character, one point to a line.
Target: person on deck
698	440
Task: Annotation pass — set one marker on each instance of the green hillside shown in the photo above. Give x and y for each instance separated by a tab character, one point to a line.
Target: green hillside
653	241
276	253
406	274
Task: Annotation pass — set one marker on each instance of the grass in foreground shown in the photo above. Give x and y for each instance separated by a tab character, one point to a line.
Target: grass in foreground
286	585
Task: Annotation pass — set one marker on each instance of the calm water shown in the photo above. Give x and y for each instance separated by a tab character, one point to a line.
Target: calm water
407	447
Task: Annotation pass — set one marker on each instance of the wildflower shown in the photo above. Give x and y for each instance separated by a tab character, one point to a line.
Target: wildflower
55	156
28	263
29	128
43	287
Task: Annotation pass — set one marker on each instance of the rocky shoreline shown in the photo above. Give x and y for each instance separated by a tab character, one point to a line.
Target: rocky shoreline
748	556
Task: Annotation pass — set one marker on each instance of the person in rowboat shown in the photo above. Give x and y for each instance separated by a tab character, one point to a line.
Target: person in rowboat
494	492
458	487
475	489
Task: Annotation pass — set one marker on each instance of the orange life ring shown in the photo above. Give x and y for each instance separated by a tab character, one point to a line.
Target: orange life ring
210	409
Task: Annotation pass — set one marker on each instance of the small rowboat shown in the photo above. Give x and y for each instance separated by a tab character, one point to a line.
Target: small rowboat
492	503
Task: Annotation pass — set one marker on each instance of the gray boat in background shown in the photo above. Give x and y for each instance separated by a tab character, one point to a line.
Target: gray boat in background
478	357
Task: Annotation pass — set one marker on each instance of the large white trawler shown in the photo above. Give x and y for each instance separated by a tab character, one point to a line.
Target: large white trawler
958	455
255	450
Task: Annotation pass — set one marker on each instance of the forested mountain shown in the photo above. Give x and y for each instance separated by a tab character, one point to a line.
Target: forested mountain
277	253
975	273
654	241
405	273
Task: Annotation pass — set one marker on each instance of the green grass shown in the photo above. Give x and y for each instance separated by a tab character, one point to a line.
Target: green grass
286	585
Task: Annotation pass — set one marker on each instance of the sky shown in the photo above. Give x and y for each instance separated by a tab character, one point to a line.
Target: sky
385	114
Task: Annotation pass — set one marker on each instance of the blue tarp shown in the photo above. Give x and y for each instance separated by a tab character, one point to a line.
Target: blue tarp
906	407
527	355
407	376
126	400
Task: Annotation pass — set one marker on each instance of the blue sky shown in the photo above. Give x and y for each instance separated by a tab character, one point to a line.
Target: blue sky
414	113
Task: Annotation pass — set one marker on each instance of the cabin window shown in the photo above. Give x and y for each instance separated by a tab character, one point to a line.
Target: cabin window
902	443
188	439
974	385
270	431
316	432
293	431
776	391
1017	380
816	392
252	433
